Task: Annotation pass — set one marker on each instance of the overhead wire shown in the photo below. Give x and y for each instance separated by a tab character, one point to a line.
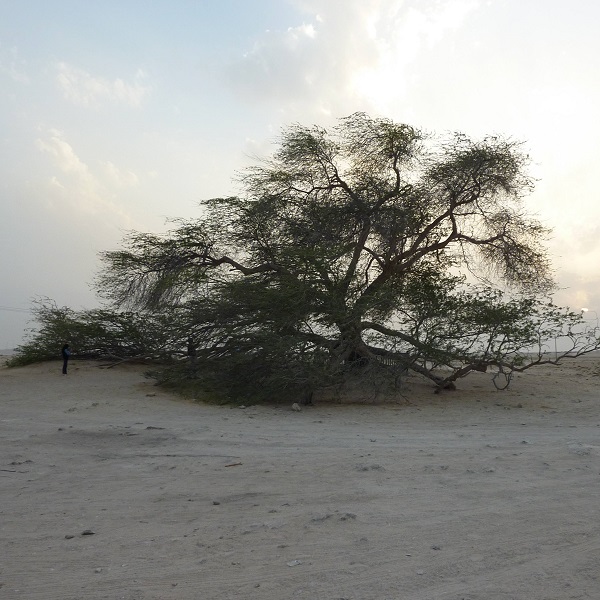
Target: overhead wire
14	309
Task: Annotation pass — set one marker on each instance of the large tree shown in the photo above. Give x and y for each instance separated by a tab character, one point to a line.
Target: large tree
370	246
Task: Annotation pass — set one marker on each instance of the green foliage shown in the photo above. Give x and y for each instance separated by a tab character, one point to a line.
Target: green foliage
339	256
362	251
100	333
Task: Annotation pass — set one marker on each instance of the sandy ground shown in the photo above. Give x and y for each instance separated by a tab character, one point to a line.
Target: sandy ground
475	494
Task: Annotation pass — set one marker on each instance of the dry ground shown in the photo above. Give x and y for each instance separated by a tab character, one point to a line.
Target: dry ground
475	494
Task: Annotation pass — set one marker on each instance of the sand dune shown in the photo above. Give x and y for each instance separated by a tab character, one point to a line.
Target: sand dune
113	489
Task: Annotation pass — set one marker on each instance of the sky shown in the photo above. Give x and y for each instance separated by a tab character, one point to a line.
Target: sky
117	115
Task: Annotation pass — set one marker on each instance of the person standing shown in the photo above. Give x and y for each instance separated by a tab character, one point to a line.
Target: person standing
66	354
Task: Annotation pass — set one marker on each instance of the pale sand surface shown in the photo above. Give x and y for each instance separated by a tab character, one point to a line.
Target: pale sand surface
475	495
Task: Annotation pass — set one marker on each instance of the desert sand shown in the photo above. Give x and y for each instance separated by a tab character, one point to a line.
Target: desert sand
112	488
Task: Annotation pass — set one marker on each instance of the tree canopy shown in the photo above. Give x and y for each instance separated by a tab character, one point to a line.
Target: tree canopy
368	249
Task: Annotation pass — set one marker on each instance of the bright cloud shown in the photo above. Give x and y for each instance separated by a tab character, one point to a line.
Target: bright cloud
85	191
353	55
120	177
400	35
307	69
77	186
64	155
83	89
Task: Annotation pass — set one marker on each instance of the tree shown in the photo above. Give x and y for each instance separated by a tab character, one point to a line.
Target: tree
99	334
366	249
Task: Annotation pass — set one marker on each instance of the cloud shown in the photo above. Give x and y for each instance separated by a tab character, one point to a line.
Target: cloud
90	193
578	290
12	65
308	65
81	88
65	157
120	177
77	186
349	55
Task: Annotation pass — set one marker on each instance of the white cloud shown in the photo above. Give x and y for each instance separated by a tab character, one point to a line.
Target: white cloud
12	65
65	157
401	36
350	55
120	177
55	182
83	89
79	187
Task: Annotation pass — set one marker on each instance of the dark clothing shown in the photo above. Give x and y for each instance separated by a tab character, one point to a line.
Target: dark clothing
66	353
